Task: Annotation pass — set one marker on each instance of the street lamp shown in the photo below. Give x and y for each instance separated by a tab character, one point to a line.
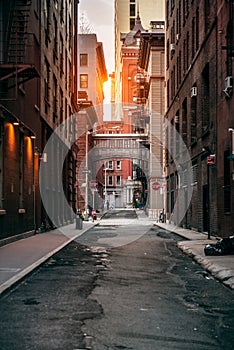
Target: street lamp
105	204
86	176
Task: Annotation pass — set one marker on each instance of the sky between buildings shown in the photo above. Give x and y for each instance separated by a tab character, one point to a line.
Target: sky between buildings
100	16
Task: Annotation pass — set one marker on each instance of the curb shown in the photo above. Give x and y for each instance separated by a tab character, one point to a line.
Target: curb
222	274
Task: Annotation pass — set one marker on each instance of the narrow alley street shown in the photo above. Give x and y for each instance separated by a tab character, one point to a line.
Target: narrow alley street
145	294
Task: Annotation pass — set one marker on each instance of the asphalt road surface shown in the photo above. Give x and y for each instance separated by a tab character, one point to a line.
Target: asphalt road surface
143	295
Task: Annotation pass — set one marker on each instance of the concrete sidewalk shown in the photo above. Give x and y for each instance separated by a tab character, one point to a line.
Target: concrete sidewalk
221	267
21	257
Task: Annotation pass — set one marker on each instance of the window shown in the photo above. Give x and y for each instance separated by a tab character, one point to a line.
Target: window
177	22
172	6
61	13
110	164
184	121
110	180
168	53
132	10
184	11
229	41
118	164
47	15
83	81
194	174
207	15
197	29
168	146
179	18
83	59
132	23
55	39
46	85
173	33
206	98
193	37
184	56
188	50
54	98
118	180
193	119
61	48
173	83
177	132
61	105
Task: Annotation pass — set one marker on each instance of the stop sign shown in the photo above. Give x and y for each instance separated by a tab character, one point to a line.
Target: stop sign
155	186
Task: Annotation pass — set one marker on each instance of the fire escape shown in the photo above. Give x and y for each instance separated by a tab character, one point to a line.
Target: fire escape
19	61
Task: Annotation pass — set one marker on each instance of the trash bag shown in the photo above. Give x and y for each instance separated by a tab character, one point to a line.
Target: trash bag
222	247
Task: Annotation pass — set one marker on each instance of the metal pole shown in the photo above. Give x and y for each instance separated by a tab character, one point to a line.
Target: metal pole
86	175
105	197
105	188
208	209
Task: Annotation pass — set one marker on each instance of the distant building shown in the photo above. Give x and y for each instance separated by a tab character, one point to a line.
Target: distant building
112	169
132	111
125	16
92	71
92	74
113	143
152	88
200	112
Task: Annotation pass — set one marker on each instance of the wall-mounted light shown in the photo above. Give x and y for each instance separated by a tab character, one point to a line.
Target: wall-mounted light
16	123
44	157
232	131
33	137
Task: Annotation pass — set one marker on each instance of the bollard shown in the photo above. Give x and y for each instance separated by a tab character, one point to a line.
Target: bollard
79	221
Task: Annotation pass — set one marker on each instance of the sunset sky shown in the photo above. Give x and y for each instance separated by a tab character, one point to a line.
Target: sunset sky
100	15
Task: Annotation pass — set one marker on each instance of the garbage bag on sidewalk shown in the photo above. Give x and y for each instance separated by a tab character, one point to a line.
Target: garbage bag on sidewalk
222	247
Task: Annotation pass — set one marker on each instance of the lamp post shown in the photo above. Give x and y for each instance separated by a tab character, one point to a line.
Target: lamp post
105	204
86	176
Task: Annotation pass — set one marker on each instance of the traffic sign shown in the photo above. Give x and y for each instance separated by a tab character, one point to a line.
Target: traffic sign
155	186
93	184
211	159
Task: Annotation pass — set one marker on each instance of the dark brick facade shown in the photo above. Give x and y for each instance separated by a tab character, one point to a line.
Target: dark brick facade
198	61
34	36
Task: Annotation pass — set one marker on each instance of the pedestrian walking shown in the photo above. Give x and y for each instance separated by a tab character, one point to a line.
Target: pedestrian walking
94	214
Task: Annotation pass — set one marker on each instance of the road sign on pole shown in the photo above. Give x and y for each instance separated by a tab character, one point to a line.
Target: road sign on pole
155	186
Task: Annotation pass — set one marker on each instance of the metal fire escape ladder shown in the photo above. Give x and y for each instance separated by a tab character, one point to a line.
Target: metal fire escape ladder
17	68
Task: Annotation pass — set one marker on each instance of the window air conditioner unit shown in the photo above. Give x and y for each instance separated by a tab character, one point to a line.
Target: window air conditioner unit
228	83
172	47
194	91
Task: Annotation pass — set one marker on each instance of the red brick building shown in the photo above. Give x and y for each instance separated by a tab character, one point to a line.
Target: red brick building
37	93
112	168
199	71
